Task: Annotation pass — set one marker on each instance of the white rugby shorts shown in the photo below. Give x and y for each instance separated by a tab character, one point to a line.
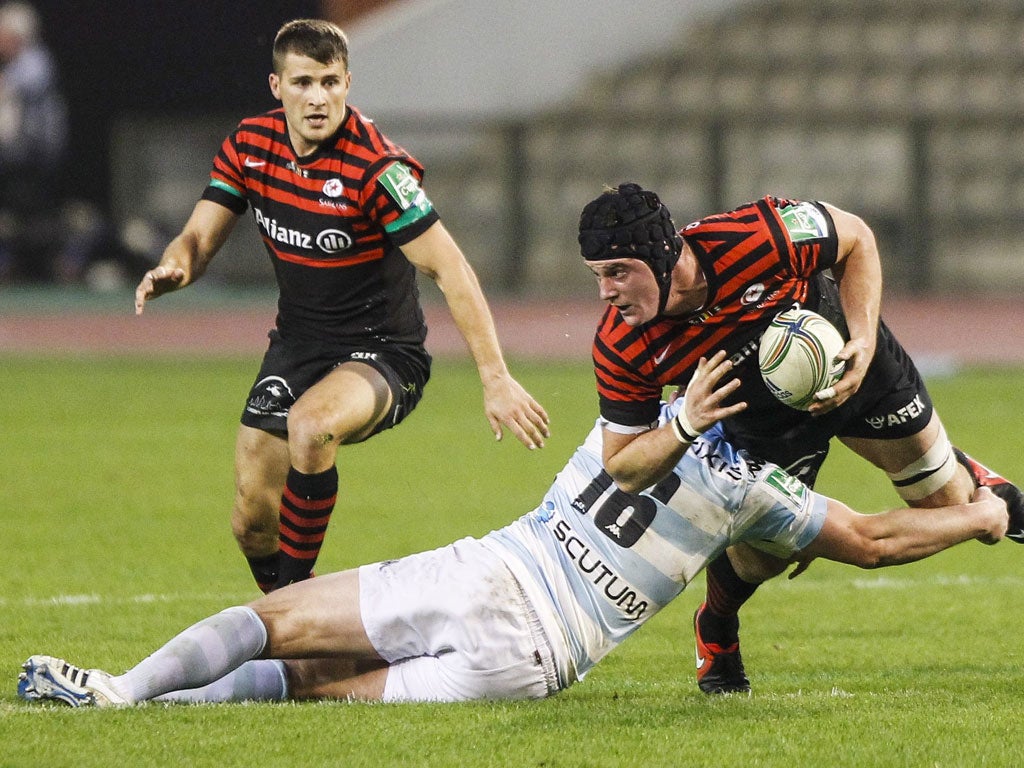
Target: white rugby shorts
454	625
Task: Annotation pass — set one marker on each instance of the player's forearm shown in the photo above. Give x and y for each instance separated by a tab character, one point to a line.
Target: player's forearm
184	252
204	233
638	461
645	460
473	318
437	255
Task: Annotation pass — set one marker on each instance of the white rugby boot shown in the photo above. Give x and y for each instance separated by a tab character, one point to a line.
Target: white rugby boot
45	678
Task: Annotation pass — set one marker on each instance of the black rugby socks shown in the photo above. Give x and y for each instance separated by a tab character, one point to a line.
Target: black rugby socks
264	570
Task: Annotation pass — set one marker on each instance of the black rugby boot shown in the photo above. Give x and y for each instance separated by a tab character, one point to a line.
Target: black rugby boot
719	667
1001	487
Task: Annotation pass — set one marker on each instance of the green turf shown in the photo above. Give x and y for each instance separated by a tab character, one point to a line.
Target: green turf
116	485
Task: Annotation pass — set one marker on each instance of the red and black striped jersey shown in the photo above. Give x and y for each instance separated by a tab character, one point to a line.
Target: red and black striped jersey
332	223
757	260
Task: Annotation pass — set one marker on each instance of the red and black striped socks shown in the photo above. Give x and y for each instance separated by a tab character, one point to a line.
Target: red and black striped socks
306	506
726	592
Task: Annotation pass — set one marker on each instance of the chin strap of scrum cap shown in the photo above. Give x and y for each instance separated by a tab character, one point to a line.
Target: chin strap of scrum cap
630	222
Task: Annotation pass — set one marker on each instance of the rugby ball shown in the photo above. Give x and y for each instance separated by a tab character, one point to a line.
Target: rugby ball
797	356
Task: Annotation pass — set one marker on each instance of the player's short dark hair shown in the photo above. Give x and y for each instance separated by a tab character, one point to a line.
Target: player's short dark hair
318	39
630	222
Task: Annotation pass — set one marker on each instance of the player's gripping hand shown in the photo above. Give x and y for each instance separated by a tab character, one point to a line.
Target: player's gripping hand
157	282
507	403
994	517
857	355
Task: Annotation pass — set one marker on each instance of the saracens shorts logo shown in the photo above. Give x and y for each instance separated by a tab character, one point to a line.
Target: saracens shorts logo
270	396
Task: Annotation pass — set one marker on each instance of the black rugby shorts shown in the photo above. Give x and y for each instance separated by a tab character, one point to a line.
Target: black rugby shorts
290	368
892	403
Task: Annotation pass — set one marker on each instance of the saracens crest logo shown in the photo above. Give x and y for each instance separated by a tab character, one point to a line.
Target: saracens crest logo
753	294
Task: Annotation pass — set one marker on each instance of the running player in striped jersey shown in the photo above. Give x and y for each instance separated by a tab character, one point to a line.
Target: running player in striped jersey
529	609
347	225
675	296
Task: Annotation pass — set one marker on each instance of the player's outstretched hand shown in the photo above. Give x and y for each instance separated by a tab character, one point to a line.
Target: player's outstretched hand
704	397
507	403
157	282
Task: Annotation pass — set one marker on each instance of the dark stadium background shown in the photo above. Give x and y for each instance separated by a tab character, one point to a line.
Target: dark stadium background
149	58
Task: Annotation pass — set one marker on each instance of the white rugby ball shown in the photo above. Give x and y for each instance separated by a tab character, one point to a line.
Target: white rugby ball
797	356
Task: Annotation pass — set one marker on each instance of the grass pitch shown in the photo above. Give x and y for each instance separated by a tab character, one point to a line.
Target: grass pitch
116	483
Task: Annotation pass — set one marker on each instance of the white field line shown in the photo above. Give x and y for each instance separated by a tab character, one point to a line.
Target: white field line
92	599
882	582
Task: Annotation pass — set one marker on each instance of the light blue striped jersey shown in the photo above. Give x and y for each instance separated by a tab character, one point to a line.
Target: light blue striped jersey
597	562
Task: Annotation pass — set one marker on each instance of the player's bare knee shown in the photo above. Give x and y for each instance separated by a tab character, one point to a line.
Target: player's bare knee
312	441
312	438
306	424
301	683
754	566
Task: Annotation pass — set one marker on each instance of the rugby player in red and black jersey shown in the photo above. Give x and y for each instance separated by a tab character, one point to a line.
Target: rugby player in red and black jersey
677	297
346	223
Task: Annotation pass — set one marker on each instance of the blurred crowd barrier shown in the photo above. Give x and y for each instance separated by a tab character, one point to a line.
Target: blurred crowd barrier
906	112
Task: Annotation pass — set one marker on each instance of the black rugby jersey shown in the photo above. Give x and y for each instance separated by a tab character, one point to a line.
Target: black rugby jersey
332	223
757	260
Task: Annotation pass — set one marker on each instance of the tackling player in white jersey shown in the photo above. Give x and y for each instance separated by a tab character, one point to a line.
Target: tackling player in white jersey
526	610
